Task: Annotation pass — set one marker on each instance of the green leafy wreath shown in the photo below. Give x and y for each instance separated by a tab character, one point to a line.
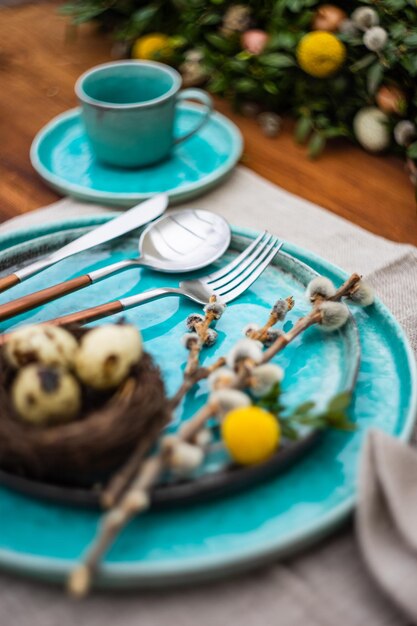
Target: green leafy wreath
346	70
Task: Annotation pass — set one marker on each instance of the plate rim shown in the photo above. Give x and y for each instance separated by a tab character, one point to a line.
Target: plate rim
168	572
114	197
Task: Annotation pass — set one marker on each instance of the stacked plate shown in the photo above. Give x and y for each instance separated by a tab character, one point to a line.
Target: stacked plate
188	541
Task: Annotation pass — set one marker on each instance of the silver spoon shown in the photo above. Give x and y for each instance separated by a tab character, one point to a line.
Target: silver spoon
181	241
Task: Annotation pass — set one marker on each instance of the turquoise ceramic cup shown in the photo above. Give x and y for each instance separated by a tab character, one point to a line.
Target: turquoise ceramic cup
128	108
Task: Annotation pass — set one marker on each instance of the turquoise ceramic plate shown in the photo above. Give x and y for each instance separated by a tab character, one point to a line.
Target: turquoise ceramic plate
271	520
61	154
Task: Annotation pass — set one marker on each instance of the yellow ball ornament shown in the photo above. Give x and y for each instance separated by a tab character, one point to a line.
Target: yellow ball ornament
250	434
320	54
151	47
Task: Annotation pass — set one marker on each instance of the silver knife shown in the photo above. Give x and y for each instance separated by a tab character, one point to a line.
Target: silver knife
137	216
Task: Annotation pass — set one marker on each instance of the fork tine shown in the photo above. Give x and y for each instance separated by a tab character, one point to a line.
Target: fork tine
246	283
230	266
247	272
227	278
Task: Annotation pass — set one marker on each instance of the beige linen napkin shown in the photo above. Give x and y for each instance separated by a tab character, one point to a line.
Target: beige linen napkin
328	584
386	518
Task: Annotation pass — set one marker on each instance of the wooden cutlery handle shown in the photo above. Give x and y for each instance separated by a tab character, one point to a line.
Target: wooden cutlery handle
8	281
88	315
81	317
26	303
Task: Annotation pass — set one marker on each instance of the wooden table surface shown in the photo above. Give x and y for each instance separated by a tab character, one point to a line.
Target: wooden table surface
39	63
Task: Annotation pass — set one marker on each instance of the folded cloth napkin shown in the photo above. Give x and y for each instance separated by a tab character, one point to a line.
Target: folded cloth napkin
386	518
328	583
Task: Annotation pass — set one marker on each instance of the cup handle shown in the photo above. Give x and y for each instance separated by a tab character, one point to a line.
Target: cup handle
204	98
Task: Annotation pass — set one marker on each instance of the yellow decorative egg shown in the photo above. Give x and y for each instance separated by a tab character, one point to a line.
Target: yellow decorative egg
250	434
151	47
320	54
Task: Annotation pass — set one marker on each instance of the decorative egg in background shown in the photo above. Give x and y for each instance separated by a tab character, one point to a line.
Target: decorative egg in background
254	40
328	17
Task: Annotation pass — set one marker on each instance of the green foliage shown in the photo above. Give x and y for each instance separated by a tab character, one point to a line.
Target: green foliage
334	416
324	107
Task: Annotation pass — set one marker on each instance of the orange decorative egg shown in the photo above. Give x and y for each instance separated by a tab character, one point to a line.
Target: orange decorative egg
391	100
328	17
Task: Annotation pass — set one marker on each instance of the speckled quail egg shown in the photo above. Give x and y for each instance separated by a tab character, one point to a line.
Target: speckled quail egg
48	345
106	355
45	395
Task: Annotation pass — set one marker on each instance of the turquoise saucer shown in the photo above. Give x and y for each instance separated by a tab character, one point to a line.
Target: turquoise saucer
210	539
62	155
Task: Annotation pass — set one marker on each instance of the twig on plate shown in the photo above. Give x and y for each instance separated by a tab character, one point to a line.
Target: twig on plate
126	473
200	325
318	294
348	287
201	334
135	500
277	314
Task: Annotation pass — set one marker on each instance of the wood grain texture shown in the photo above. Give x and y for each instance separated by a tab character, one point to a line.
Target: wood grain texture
88	315
40	60
31	301
8	281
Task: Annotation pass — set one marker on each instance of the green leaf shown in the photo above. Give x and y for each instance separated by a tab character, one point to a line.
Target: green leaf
85	14
412	151
398	30
411	40
335	131
339	420
276	59
271	400
409	63
340	402
245	85
304	408
237	66
288	430
210	19
222	44
374	77
316	145
303	129
395	5
143	17
284	40
244	55
295	5
271	87
363	62
217	84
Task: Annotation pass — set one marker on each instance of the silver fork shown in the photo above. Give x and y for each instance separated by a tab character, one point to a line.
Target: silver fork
226	284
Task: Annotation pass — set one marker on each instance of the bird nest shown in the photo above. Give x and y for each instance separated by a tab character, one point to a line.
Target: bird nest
92	446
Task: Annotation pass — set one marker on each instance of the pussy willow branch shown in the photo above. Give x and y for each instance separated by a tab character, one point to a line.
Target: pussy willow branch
312	318
134	501
126	473
188	383
261	334
283	340
347	288
192	374
137	497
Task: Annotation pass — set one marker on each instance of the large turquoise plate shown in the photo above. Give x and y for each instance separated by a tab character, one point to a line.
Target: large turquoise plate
62	155
274	519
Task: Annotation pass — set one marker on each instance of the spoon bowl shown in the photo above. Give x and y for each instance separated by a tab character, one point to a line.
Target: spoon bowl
184	241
